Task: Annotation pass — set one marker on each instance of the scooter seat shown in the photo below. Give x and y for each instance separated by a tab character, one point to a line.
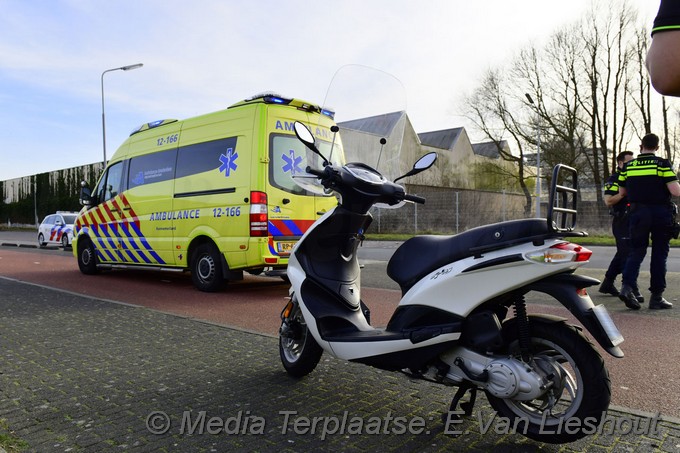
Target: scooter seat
422	255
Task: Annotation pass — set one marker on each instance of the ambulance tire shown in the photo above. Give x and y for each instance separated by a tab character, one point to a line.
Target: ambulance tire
87	257
206	268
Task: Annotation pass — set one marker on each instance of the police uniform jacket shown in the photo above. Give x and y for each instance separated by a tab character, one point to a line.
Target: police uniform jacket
611	187
645	179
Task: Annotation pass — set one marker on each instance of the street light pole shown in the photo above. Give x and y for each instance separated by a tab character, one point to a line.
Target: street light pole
538	158
122	68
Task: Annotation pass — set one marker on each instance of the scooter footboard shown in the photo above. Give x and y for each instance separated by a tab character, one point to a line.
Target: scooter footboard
569	290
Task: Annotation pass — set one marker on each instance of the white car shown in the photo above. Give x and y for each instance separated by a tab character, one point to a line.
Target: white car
57	229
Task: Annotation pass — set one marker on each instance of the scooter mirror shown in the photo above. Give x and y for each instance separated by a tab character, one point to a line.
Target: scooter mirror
304	135
421	164
425	162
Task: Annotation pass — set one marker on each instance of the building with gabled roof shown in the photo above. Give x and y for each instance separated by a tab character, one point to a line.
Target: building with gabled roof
459	163
490	149
381	125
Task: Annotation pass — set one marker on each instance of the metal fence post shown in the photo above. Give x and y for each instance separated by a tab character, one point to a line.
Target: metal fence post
457	212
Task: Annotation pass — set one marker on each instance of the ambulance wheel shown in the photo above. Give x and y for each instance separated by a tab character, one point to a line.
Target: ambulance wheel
206	269
41	241
87	257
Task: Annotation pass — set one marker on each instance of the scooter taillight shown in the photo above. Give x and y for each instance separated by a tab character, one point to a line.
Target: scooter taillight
563	252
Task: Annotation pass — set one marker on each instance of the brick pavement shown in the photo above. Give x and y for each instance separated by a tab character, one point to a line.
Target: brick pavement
82	374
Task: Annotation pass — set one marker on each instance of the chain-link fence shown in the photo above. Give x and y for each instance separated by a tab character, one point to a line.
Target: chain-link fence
451	211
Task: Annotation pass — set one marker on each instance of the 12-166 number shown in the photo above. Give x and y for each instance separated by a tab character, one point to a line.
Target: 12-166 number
167	140
227	212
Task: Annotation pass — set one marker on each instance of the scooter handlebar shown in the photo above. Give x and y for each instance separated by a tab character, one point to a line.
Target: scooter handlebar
414	198
332	178
315	172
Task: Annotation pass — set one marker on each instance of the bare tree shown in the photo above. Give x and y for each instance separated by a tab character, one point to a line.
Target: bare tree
607	33
666	135
490	107
591	94
553	77
640	89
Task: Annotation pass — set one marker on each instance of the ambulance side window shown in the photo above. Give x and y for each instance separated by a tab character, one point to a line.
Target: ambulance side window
151	168
206	156
111	183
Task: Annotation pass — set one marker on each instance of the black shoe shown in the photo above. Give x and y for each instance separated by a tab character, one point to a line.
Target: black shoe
628	297
640	298
657	302
607	287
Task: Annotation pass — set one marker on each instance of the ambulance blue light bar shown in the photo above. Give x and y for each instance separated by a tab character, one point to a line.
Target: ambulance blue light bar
271	98
151	125
328	113
276	100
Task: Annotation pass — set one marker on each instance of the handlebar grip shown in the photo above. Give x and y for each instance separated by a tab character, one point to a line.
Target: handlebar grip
315	172
414	198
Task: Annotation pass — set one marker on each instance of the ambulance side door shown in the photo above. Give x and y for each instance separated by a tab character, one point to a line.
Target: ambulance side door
148	208
103	219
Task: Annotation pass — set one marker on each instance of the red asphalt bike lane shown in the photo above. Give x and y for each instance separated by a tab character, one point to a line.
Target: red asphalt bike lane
646	379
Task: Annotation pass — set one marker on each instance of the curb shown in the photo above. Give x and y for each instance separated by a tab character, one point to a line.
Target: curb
26	245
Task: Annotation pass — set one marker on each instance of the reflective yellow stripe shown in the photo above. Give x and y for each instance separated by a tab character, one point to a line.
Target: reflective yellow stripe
650	172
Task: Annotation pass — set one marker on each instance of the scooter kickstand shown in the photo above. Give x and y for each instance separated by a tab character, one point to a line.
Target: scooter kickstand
466	406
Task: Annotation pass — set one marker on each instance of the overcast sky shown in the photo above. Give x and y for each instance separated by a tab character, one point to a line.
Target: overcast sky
204	55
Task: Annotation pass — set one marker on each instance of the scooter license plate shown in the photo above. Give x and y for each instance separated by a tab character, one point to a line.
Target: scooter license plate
285	247
608	325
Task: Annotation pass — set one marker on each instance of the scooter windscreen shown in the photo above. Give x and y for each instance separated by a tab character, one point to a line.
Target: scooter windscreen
369	108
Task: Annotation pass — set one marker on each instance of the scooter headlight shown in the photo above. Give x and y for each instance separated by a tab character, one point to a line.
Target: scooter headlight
563	252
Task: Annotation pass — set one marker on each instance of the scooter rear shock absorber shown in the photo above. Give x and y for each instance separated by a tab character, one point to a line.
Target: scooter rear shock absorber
523	332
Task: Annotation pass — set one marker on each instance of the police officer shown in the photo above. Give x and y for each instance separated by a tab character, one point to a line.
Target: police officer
618	209
649	182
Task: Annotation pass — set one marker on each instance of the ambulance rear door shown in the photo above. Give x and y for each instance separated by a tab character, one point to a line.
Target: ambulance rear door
292	210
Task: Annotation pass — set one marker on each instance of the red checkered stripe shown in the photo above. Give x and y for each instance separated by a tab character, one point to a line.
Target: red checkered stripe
111	221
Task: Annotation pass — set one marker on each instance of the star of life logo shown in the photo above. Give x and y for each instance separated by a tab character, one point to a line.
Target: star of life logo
228	162
292	163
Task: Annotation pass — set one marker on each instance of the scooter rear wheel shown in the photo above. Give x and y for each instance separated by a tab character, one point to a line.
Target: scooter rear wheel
299	351
581	389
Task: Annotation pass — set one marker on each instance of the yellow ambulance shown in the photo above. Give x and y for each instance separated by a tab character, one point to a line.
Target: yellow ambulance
213	195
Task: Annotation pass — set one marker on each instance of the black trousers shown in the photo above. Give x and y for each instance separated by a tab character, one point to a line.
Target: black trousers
620	230
649	221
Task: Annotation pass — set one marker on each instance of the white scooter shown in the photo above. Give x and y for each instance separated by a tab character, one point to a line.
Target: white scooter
452	325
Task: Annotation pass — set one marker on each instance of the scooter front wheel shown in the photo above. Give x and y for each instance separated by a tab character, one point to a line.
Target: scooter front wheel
580	389
299	351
